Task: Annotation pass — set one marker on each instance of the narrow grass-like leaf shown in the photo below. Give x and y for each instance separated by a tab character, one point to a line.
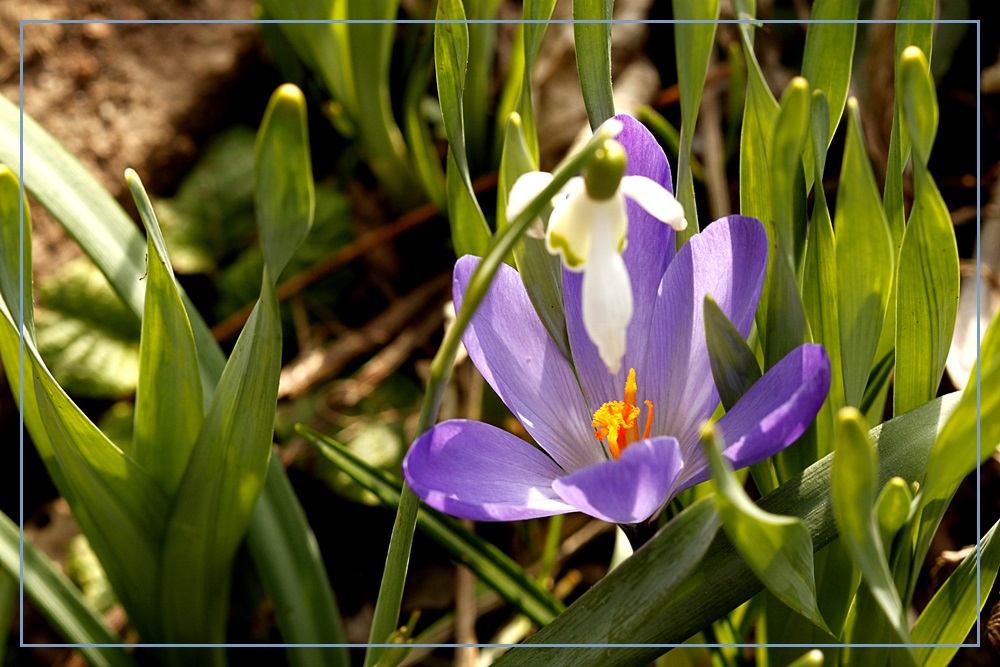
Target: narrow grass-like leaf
777	548
15	270
892	509
280	536
540	270
539	12
734	366
284	199
57	599
928	273
722	581
853	484
826	62
593	57
469	231
952	611
694	43
864	261
8	602
418	136
168	404
486	561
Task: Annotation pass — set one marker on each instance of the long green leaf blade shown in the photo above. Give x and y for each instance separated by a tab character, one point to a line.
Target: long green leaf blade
864	261
168	404
593	57
58	599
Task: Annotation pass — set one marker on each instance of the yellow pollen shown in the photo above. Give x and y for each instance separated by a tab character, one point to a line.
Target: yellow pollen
618	421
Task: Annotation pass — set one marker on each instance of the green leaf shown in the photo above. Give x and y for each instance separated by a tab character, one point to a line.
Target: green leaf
89	340
418	135
284	197
651	575
693	43
892	509
479	81
8	602
469	231
952	611
722	581
297	584
538	12
790	132
853	485
928	272
56	598
486	561
864	261
15	279
777	548
593	57
827	60
169	408
734	366
212	510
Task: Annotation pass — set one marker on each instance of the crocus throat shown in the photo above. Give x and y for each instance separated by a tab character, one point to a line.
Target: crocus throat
618	420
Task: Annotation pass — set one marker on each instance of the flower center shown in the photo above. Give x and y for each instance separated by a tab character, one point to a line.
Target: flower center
618	420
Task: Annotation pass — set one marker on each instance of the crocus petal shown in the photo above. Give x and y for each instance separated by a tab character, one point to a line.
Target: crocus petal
514	352
649	250
630	489
773	413
607	295
655	199
526	188
726	261
570	231
477	471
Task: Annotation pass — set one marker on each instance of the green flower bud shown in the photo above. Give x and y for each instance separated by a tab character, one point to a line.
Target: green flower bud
603	174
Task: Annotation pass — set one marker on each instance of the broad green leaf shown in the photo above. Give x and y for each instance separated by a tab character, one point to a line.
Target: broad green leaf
89	339
928	273
56	598
640	585
15	280
469	231
722	581
280	535
593	57
693	43
91	216
864	259
827	60
487	562
169	408
777	548
734	366
284	197
819	279
952	611
540	270
853	484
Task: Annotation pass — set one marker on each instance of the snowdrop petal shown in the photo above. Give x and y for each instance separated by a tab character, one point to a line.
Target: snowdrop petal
570	232
655	199
526	188
607	296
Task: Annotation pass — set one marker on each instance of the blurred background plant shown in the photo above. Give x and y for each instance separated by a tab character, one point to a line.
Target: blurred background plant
413	152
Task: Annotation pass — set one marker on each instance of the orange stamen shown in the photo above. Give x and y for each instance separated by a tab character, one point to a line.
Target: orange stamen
618	421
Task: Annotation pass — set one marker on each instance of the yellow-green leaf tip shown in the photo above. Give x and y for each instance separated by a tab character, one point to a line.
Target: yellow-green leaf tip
289	92
799	84
515	119
913	54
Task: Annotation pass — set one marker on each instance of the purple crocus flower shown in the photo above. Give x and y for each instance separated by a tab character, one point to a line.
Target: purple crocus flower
616	446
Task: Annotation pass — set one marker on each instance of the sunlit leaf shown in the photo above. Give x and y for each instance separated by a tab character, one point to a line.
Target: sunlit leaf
734	366
593	57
